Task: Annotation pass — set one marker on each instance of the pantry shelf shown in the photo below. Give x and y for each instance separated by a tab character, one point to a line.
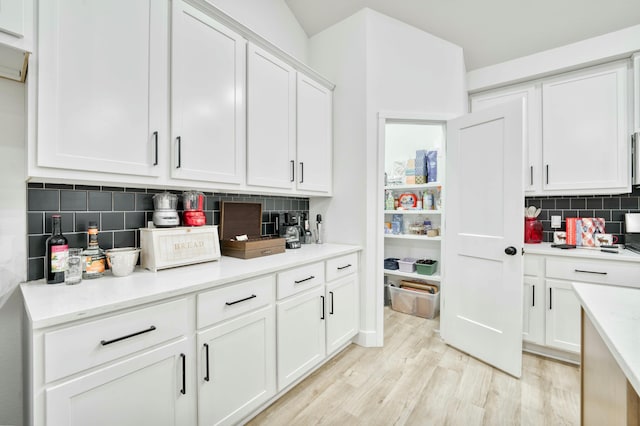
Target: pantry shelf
412	237
396	272
413	186
413	212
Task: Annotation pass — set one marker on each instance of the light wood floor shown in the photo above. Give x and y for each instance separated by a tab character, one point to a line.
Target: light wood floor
415	379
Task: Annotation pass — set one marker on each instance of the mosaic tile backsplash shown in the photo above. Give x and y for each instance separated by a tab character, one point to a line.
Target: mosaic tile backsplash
610	207
119	213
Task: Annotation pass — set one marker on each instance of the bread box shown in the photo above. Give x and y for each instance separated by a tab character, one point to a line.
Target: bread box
163	248
237	219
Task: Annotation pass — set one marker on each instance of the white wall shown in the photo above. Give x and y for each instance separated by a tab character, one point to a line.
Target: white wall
273	20
13	231
404	70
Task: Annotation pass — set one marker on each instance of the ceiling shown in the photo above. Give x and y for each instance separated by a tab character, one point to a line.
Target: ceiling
489	31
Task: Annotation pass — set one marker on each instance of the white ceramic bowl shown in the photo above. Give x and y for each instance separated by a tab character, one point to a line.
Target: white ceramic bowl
122	261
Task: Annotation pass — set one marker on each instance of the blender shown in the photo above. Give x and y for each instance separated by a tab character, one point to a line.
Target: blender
193	204
165	214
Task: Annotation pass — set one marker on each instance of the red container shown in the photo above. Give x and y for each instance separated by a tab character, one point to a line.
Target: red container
532	230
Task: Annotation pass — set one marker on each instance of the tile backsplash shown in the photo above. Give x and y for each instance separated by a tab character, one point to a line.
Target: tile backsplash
610	207
119	213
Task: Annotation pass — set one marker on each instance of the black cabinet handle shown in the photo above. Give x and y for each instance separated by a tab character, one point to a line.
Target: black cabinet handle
322	317
184	374
590	272
179	139
331	311
306	279
155	139
206	354
533	295
301	172
547	173
344	267
117	339
293	170
241	300
550	298
531	175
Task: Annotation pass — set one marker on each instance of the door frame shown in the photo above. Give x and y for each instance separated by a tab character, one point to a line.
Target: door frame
385	117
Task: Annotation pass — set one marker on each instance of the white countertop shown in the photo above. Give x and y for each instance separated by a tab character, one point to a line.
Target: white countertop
50	304
615	313
547	250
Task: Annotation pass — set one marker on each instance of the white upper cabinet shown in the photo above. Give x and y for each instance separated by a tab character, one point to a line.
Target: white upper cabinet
636	96
314	142
585	133
530	93
207	107
102	92
271	125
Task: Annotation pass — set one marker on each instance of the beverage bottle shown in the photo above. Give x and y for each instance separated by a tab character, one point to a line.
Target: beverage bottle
93	255
57	252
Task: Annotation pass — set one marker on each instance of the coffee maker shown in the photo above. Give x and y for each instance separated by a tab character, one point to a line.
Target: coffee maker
290	230
632	231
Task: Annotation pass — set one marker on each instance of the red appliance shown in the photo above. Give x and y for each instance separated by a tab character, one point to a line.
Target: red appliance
193	204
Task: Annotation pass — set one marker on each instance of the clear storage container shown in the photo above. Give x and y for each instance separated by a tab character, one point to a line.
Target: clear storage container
408	264
415	302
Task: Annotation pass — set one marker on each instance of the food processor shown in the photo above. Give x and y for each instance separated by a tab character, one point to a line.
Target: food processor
165	214
193	204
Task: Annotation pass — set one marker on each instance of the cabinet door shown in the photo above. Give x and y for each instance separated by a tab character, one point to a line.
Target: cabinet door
314	136
585	132
271	126
12	17
207	105
530	93
146	389
237	367
341	312
301	334
102	85
563	316
533	310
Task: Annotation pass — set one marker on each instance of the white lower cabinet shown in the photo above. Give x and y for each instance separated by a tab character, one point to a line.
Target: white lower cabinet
237	364
533	310
563	316
301	334
151	388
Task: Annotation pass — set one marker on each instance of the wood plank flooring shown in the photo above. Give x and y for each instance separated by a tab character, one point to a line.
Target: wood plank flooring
415	379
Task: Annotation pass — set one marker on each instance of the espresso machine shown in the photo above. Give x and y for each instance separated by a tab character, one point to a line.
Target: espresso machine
632	232
290	230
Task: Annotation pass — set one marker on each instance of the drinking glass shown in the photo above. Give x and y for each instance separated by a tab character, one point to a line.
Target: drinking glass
73	274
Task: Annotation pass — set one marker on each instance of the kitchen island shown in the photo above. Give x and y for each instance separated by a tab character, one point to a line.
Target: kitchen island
610	375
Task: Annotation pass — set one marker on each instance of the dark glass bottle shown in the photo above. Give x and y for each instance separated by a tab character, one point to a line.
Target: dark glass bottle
57	252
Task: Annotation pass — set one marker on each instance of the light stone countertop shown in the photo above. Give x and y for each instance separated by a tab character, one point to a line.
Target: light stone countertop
51	304
615	313
547	250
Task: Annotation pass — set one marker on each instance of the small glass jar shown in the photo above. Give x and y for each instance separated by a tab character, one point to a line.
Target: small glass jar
533	230
73	273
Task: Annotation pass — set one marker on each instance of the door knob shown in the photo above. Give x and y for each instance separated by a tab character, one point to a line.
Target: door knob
511	250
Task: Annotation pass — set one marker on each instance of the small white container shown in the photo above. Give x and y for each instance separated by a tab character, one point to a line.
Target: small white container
122	261
408	264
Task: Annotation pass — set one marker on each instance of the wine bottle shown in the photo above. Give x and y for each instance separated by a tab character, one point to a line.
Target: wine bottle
57	253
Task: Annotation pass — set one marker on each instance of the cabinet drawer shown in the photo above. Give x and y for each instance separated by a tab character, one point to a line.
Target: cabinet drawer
228	302
341	266
76	348
594	271
300	279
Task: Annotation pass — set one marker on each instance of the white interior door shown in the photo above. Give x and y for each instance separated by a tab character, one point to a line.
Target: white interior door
482	297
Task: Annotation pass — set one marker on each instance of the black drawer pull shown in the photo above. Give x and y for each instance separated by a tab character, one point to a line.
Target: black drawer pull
550	298
306	279
344	267
117	339
590	272
184	374
533	295
322	317
206	349
241	300
331	311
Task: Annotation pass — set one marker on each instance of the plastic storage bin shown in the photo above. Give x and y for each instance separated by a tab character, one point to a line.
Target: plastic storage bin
408	264
415	302
426	269
391	263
